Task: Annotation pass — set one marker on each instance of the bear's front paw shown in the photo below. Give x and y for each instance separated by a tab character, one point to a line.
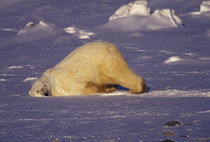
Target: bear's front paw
139	91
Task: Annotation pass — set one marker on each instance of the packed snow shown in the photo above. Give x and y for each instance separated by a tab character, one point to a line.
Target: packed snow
38	31
166	42
204	8
136	16
82	34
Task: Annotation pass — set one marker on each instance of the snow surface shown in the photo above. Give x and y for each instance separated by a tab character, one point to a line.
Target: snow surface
170	50
136	17
204	8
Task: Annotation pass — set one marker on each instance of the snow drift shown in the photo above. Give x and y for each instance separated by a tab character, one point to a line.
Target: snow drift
81	34
136	16
41	29
204	8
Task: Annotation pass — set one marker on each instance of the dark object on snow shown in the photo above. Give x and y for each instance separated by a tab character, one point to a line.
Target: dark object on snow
168	133
173	123
167	140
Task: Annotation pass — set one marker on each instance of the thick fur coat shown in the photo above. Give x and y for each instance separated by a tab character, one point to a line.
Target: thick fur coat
96	67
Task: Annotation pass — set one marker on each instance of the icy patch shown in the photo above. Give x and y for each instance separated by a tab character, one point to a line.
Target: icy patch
207	111
15	67
204	58
132	48
163	93
3	80
29	79
81	34
136	17
191	54
173	59
7	74
116	93
8	30
178	93
204	8
21	67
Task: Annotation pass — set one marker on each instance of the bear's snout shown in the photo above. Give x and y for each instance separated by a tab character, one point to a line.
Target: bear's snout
46	92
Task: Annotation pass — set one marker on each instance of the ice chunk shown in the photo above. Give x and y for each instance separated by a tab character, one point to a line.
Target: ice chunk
136	16
15	67
29	79
168	14
205	6
70	30
172	60
134	8
140	8
81	34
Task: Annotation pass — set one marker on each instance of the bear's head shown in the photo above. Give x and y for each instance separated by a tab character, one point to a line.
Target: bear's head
41	87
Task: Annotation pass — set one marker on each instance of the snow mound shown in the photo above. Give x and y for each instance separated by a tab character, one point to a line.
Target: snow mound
136	17
173	59
133	8
36	31
204	8
81	34
41	27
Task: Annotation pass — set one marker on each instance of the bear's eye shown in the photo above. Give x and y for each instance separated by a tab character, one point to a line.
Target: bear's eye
37	91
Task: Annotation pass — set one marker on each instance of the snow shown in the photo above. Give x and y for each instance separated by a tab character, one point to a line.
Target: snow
172	59
133	8
204	8
136	17
82	34
29	79
166	42
1	80
163	94
37	31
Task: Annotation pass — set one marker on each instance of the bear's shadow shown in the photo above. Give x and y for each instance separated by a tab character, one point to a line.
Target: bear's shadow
121	88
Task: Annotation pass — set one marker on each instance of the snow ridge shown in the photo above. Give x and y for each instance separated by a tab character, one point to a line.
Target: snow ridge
136	16
163	93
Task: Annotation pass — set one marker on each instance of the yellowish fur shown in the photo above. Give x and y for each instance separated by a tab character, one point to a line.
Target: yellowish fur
92	68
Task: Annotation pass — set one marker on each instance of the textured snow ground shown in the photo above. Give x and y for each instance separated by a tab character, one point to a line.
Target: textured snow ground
174	61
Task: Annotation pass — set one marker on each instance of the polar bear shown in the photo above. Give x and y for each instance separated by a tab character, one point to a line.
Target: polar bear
96	67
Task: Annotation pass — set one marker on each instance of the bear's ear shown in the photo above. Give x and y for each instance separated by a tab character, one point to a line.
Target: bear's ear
44	79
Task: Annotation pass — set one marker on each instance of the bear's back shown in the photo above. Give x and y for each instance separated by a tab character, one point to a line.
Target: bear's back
91	53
